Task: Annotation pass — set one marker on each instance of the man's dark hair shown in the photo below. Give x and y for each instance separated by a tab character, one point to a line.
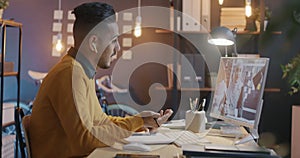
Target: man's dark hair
88	15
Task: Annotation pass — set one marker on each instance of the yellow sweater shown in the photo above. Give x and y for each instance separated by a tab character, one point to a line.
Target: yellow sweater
67	120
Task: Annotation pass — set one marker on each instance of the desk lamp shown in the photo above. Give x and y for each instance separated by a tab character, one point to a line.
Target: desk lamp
223	36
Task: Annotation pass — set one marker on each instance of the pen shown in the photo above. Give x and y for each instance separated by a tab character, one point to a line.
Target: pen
196	105
203	104
141	134
155	119
191	104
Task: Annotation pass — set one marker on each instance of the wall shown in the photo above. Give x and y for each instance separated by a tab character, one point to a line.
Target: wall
37	18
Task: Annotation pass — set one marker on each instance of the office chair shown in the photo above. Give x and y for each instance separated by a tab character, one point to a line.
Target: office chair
19	114
25	125
120	110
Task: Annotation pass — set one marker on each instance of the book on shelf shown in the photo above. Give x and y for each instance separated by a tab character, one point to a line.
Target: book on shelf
233	17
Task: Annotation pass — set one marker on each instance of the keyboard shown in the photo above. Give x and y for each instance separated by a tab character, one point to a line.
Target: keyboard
185	137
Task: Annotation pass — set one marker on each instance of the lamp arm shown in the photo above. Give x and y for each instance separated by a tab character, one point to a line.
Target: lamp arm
234	49
234	31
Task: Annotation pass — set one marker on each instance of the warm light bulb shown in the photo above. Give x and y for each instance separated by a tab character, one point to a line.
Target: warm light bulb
248	8
138	28
59	45
221	2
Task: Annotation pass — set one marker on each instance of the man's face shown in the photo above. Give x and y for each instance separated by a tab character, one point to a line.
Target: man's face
111	50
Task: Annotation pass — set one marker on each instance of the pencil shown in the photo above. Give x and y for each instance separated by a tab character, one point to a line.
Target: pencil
155	119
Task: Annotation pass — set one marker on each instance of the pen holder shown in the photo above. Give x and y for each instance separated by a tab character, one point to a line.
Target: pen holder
195	121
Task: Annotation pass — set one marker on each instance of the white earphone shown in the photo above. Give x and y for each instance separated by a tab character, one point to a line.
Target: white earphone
95	48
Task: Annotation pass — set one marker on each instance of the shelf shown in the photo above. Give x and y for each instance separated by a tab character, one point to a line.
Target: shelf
194	32
8	124
10	23
248	32
187	89
276	32
205	89
5	24
208	89
181	32
162	31
10	74
257	32
206	32
272	89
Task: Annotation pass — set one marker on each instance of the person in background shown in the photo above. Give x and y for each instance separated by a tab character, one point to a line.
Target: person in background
67	120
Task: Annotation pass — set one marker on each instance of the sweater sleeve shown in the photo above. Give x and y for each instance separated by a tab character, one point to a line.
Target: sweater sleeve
80	115
131	123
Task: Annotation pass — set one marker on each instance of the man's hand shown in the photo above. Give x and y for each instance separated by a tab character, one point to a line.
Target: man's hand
164	116
149	118
153	120
149	114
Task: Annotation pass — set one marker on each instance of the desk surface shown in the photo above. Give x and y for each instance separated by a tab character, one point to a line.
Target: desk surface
165	151
169	151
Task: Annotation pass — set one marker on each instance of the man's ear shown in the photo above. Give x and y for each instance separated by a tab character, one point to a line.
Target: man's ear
92	43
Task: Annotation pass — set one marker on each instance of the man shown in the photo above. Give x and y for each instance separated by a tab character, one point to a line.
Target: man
67	120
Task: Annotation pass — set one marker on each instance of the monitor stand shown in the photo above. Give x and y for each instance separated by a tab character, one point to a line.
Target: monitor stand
253	135
232	130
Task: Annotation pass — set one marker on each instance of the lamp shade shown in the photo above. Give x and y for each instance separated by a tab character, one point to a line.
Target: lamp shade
221	36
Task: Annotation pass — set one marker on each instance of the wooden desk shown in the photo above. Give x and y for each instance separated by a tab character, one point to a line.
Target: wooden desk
165	151
169	151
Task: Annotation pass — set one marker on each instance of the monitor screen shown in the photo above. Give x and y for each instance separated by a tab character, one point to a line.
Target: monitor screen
238	91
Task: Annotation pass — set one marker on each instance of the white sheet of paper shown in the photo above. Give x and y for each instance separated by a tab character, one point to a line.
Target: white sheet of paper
157	138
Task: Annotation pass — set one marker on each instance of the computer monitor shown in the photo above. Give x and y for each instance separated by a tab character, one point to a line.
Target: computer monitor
238	91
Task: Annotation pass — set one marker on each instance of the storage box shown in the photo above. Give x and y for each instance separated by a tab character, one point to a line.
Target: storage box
8	146
8	66
8	113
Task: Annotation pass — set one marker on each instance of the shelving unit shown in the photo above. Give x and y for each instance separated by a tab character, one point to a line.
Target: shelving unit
4	25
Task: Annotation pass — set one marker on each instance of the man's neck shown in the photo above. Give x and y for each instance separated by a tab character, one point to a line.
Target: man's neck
88	67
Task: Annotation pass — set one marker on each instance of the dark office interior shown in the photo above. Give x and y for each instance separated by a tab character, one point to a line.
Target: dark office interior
279	42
